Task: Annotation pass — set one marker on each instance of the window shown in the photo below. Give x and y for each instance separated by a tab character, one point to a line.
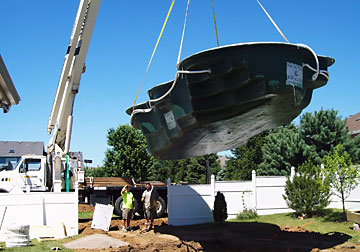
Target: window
8	162
21	168
33	164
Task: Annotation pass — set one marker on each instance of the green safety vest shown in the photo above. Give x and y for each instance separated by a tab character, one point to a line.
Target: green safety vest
128	199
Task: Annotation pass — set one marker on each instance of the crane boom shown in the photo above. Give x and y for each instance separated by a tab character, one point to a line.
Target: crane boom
60	121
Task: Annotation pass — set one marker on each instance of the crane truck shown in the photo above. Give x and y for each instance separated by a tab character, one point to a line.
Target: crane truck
58	169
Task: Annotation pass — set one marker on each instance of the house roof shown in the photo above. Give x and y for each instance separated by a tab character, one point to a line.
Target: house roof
353	123
17	149
8	94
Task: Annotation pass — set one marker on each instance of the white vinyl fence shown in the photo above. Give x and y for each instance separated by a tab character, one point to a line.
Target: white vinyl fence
40	210
193	204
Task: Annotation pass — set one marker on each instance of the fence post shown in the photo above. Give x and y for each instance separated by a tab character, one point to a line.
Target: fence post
169	197
292	173
213	188
253	178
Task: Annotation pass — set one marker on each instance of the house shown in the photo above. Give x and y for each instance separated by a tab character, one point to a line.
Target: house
222	160
11	151
8	94
353	124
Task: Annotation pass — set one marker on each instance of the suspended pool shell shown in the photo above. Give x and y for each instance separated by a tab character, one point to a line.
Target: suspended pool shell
251	88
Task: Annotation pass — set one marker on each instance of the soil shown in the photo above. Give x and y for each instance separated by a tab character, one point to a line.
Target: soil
239	236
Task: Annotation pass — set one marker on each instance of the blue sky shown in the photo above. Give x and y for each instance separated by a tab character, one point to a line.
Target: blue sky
34	36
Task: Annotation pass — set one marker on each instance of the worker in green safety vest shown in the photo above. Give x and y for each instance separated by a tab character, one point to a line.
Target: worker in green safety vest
127	207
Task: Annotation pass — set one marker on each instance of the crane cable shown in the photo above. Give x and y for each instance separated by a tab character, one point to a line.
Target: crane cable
157	42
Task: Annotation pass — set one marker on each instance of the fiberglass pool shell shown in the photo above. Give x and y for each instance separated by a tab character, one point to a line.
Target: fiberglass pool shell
252	87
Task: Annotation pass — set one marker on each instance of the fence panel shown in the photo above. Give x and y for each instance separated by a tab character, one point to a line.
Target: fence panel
39	209
238	195
193	204
269	195
190	204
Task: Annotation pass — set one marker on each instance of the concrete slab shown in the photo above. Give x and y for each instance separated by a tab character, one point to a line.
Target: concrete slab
96	241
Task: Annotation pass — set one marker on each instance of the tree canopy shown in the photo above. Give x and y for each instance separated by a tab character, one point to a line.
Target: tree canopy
245	159
192	170
282	149
127	155
323	130
274	152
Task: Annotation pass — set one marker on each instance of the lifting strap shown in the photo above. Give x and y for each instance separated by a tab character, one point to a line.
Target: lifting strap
179	71
157	42
273	22
217	36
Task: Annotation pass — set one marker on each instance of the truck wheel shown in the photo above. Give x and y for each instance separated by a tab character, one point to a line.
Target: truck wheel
118	206
160	207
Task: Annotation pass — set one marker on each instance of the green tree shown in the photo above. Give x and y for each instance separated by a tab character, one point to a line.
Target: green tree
192	170
324	130
220	176
94	171
282	149
343	175
245	159
127	155
308	191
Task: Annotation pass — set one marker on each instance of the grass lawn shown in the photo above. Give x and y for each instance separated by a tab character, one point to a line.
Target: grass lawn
85	215
89	215
327	223
40	246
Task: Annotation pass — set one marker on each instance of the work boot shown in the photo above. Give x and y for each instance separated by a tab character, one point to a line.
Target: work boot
128	229
124	229
146	227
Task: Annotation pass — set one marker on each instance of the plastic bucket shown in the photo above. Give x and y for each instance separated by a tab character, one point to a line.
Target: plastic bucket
17	236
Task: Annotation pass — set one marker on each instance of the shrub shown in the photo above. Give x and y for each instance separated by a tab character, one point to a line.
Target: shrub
220	209
308	192
247	214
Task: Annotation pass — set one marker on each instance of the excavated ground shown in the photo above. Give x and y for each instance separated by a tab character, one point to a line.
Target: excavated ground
244	236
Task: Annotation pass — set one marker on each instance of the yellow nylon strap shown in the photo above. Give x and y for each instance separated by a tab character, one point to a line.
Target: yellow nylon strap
157	42
217	36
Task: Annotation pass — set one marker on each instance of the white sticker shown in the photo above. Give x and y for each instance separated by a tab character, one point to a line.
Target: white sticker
170	120
294	74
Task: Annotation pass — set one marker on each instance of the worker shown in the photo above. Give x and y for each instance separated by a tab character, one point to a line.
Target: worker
127	207
149	198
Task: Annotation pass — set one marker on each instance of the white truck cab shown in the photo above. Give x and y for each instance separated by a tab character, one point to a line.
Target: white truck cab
30	173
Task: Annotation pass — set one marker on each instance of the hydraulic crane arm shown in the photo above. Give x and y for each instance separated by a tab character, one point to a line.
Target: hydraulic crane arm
61	117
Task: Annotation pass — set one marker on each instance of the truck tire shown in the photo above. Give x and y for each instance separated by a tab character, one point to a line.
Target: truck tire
118	206
161	207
